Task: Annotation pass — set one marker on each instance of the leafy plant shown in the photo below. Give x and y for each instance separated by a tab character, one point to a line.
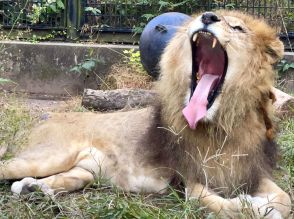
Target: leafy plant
40	9
15	123
285	141
94	11
284	66
5	80
133	59
88	65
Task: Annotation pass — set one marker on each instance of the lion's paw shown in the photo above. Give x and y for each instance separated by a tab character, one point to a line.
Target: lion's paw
256	207
28	185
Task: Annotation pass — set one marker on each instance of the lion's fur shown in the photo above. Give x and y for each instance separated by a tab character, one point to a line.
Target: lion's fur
144	150
240	126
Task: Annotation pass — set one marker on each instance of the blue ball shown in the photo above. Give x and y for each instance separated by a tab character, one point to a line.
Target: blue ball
155	36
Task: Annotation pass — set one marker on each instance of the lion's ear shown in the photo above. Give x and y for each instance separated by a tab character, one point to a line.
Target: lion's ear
275	49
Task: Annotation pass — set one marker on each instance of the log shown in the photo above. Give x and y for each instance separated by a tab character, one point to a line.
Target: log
129	98
284	103
117	99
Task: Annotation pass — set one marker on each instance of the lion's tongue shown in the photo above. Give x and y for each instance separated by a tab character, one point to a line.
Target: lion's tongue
197	107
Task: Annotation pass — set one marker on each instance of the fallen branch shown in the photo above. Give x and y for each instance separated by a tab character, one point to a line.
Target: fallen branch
117	99
124	98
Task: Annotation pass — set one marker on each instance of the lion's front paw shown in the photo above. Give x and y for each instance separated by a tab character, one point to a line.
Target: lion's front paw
28	185
255	207
263	208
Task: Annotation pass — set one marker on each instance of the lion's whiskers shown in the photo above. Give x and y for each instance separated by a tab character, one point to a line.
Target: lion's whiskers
173	130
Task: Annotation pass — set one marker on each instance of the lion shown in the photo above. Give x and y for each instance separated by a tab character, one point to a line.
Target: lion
211	128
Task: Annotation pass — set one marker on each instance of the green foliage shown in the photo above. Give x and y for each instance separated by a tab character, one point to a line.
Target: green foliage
88	65
99	201
94	11
4	81
284	66
172	5
85	66
14	124
40	9
133	59
54	34
286	141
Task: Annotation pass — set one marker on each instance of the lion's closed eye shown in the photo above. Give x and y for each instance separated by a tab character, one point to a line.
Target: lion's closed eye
238	28
235	24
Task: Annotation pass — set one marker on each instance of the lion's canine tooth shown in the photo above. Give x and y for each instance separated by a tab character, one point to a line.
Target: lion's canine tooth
214	42
198	77
195	37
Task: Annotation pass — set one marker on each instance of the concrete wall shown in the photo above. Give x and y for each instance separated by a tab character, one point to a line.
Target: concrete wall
44	68
288	83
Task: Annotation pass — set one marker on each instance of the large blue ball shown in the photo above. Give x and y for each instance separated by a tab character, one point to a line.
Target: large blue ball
155	36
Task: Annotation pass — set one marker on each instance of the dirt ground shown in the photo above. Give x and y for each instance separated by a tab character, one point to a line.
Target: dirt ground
39	106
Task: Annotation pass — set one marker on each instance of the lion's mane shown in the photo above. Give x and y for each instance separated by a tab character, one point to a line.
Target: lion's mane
236	148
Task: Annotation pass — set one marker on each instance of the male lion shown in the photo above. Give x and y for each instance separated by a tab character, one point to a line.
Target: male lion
211	128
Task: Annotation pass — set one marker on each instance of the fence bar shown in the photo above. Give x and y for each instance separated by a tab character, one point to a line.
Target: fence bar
74	14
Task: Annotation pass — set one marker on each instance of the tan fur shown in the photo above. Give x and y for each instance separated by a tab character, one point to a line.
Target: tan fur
143	150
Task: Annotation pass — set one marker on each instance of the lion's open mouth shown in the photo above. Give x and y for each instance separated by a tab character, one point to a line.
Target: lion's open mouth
209	66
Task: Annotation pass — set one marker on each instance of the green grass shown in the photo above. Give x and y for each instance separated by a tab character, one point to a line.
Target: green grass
99	200
15	122
96	202
286	142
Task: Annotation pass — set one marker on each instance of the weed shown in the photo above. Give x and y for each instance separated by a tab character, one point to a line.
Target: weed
124	76
286	141
15	121
133	59
5	80
42	8
284	66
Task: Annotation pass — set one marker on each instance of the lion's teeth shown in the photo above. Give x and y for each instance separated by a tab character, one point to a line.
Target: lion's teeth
198	77
195	37
214	42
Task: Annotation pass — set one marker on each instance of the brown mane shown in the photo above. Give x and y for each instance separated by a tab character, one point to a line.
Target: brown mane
243	124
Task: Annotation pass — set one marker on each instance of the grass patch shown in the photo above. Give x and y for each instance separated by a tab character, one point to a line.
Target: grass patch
15	121
286	142
124	76
97	202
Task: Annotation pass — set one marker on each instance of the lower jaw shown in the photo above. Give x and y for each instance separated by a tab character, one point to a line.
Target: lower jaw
211	112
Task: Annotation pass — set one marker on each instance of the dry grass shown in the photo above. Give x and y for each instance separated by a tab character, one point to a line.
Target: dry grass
124	76
15	123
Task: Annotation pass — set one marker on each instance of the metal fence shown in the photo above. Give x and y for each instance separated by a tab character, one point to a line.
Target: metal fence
36	14
131	16
80	17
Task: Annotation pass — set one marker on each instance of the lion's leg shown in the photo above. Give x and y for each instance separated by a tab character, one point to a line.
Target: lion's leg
72	180
275	196
209	199
87	163
38	166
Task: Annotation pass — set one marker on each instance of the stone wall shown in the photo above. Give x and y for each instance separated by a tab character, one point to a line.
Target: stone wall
44	68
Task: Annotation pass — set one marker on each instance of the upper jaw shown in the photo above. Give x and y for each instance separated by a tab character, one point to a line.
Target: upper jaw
197	26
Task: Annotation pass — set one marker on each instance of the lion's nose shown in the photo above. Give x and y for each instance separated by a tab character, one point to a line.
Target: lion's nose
209	18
